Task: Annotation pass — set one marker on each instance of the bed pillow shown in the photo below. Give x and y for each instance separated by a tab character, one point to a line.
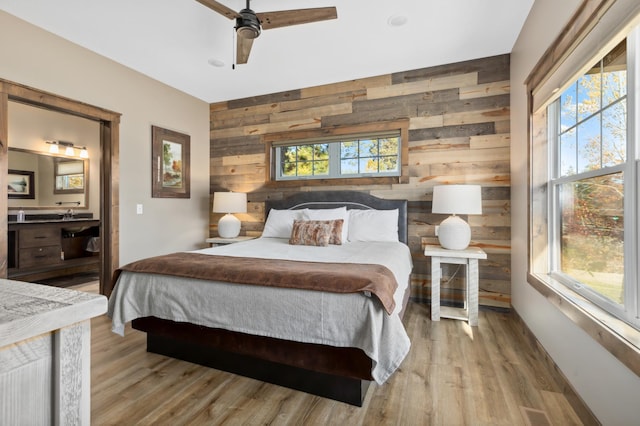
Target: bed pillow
373	225
335	229
331	214
310	233
280	223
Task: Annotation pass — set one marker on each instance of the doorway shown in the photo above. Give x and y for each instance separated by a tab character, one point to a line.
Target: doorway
109	151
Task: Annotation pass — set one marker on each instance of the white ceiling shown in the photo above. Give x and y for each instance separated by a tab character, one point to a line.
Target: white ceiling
173	40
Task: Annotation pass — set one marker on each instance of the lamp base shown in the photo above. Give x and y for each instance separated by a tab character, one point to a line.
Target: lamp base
229	226
454	233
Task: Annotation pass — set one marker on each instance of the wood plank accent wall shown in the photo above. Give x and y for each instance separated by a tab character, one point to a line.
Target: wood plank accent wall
459	132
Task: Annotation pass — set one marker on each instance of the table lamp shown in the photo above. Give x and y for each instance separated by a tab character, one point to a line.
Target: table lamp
454	233
229	202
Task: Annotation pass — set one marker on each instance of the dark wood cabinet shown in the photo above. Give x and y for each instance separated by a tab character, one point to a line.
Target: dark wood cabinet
42	250
38	246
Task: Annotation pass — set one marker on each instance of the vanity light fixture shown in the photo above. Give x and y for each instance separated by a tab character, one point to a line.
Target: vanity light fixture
69	148
53	147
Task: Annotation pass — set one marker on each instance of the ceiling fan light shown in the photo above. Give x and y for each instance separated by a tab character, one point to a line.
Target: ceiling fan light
248	32
248	24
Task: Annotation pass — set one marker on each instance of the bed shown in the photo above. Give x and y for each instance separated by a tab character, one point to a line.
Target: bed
325	343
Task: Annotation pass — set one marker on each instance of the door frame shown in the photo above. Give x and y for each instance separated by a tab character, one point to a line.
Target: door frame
109	174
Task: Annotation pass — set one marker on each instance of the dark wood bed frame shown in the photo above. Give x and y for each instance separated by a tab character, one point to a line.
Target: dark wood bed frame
342	374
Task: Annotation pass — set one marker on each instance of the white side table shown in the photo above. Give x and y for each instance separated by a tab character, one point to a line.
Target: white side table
468	257
219	241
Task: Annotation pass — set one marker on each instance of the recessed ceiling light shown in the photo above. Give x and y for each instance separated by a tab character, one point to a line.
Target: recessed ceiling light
397	20
216	63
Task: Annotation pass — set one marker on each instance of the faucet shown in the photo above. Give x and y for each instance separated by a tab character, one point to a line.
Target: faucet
68	215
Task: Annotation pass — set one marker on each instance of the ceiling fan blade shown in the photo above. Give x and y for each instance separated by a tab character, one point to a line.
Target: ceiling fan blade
285	18
243	48
220	8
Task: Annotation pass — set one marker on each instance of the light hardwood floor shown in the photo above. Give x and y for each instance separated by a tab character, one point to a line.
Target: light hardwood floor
453	375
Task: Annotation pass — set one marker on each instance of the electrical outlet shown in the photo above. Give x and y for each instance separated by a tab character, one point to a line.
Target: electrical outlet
138	208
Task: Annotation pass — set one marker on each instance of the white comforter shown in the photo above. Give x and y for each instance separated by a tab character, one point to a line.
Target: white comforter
342	320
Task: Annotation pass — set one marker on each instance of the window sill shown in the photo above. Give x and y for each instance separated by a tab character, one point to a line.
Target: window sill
616	336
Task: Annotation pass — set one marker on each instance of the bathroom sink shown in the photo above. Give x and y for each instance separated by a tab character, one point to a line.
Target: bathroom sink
75	229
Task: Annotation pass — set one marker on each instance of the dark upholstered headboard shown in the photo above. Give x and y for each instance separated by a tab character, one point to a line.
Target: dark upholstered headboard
350	199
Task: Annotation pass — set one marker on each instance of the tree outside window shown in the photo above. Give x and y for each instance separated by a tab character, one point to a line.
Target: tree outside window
589	177
351	157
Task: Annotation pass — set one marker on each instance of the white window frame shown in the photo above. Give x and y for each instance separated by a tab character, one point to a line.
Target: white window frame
334	153
629	311
595	28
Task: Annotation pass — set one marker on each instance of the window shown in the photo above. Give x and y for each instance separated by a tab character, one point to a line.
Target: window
348	156
592	185
68	176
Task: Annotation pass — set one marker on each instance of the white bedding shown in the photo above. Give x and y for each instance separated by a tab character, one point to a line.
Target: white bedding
342	320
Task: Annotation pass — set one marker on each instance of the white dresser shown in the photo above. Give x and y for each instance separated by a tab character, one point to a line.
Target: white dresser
45	353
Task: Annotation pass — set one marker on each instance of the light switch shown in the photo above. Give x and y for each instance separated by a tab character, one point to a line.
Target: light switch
138	208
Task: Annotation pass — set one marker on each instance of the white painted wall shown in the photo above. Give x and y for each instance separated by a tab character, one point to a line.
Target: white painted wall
609	388
36	58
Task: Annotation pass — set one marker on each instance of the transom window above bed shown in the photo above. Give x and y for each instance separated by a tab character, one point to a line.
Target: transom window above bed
375	151
348	156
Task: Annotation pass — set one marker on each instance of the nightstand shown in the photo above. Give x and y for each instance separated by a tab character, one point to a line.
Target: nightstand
219	241
468	257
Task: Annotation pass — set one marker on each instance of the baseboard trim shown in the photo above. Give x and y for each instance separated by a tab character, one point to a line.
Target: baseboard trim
579	406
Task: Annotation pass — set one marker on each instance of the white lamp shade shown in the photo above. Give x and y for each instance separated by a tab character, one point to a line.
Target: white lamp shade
457	199
229	202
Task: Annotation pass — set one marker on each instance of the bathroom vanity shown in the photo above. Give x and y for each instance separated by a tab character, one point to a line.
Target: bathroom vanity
42	248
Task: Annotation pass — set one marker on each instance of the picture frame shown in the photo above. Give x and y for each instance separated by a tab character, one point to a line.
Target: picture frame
170	164
20	184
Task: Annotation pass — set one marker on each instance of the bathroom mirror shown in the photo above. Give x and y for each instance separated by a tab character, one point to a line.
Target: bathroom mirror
39	180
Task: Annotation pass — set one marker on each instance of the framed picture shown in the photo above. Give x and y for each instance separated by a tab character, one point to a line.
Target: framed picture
170	155
20	184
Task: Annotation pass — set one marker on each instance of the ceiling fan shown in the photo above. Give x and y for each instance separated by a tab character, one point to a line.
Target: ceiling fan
249	24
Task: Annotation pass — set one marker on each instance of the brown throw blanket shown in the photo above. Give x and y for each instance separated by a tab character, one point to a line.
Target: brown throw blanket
331	277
